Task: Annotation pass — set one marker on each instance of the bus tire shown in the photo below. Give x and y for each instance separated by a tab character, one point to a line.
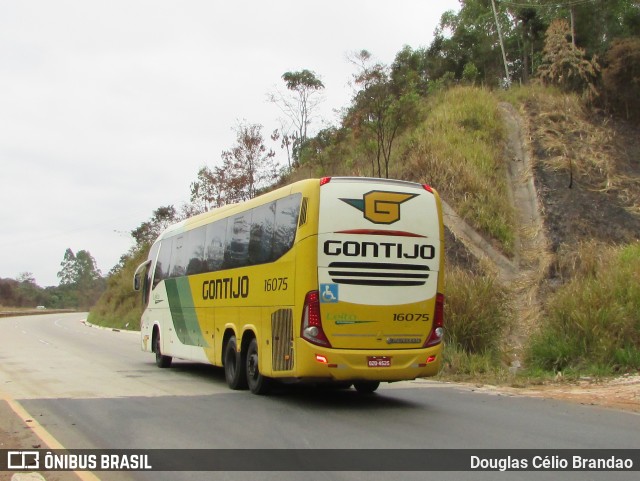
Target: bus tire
234	371
161	360
366	387
258	384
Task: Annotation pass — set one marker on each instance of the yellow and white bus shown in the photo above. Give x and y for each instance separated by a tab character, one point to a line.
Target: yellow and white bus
337	279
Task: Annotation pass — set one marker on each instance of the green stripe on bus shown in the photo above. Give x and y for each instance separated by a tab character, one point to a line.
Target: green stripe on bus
183	314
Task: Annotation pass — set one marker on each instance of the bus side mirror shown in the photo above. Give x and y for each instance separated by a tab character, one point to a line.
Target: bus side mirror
141	271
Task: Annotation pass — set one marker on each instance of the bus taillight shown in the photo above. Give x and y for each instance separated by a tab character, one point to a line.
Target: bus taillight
437	330
311	329
325	180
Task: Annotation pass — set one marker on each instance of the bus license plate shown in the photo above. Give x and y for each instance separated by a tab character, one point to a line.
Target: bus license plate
379	361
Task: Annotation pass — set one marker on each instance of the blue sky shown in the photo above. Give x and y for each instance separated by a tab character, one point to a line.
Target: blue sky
108	109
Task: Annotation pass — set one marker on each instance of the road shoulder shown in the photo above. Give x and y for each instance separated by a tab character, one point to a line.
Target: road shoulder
17	433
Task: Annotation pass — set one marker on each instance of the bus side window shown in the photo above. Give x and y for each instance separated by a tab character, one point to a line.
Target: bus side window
214	245
287	210
164	258
195	251
148	278
146	286
236	252
179	256
261	237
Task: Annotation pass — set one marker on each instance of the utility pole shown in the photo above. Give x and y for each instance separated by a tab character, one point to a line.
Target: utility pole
573	28
504	55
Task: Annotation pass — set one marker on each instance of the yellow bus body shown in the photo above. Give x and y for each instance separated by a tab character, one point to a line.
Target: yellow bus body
335	279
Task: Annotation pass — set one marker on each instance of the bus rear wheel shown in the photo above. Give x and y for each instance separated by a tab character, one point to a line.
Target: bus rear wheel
161	359
366	387
258	384
234	371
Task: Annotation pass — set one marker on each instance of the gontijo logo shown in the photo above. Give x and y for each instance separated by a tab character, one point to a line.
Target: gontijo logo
380	207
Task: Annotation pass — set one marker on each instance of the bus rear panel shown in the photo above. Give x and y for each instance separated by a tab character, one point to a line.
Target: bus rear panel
377	311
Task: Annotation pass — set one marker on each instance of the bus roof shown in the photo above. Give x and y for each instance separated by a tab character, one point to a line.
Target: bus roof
230	209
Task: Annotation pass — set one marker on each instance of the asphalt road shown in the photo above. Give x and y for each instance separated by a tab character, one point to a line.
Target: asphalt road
93	388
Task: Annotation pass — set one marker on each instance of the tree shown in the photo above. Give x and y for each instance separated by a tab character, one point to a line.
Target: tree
86	268
26	278
326	147
90	281
212	189
564	64
298	104
147	232
287	141
379	109
68	274
470	73
471	34
246	168
81	282
22	292
472	37
599	22
621	77
531	26
410	71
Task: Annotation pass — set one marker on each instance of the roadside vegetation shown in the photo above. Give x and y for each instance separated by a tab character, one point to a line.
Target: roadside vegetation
117	307
478	314
459	149
592	322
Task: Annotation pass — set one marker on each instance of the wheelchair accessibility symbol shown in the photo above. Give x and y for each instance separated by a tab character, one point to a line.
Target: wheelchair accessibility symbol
328	293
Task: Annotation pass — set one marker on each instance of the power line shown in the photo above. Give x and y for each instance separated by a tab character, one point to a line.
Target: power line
569	3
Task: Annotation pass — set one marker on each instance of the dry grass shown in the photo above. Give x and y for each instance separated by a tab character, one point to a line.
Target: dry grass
572	138
460	150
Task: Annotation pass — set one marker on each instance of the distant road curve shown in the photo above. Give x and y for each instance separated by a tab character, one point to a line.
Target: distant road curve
32	312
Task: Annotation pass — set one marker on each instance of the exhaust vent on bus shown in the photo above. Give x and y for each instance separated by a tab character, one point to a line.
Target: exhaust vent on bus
378	274
282	339
303	211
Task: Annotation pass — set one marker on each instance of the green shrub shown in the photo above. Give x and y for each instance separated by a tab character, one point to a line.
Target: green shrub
464	365
593	321
476	312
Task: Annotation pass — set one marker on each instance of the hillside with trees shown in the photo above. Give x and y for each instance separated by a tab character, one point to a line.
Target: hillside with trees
553	85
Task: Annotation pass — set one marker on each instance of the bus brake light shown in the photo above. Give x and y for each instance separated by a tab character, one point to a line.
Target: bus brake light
324	180
437	330
311	328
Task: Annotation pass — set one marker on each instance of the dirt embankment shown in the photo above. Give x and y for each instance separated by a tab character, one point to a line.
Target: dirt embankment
529	265
572	179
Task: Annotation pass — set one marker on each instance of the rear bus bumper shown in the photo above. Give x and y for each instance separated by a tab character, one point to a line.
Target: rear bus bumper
352	364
